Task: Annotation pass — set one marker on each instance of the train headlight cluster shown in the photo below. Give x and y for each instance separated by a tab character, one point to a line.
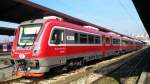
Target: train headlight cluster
36	49
35	52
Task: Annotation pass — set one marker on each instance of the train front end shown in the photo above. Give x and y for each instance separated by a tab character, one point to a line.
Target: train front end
26	50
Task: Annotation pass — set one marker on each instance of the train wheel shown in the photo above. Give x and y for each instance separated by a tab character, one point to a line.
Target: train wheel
76	63
58	69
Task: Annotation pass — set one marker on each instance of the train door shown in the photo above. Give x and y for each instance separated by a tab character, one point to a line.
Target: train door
57	45
108	45
58	39
103	45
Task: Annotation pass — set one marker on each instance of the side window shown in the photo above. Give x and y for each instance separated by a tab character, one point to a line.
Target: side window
116	41
1	47
124	42
127	42
131	42
69	36
83	38
97	40
76	35
90	39
107	40
4	47
57	36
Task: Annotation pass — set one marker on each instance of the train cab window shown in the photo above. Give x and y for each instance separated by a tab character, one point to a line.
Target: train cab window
107	40
97	40
57	36
90	39
28	34
83	38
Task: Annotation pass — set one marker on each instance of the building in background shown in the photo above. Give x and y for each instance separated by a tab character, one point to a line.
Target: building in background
143	37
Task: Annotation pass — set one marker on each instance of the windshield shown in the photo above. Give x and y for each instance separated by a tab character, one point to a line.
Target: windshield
28	33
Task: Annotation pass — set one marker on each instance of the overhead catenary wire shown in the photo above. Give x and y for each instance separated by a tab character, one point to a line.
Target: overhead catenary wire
122	5
130	15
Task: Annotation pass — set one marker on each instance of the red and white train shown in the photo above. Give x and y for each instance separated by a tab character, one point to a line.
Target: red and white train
43	44
5	47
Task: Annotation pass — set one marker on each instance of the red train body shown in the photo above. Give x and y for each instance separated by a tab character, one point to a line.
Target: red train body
43	44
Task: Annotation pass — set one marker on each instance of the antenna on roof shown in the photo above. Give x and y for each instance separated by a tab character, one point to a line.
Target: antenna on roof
111	33
90	27
53	17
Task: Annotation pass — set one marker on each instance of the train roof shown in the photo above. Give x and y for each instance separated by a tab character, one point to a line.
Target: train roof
71	25
113	35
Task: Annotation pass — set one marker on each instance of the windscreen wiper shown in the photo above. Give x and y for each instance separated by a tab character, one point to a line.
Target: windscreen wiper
27	41
25	44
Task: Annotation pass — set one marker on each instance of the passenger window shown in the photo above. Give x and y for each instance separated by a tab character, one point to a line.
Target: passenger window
1	47
116	41
90	39
57	36
97	40
107	40
76	37
83	38
124	42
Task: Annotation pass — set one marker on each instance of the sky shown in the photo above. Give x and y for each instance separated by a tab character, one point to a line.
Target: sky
117	15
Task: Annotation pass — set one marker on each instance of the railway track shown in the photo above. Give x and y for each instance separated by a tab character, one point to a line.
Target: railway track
146	79
68	76
128	72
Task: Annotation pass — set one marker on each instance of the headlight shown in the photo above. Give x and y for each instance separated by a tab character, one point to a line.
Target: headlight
36	49
35	52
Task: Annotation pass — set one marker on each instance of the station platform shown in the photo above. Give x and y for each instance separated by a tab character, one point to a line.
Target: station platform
145	75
